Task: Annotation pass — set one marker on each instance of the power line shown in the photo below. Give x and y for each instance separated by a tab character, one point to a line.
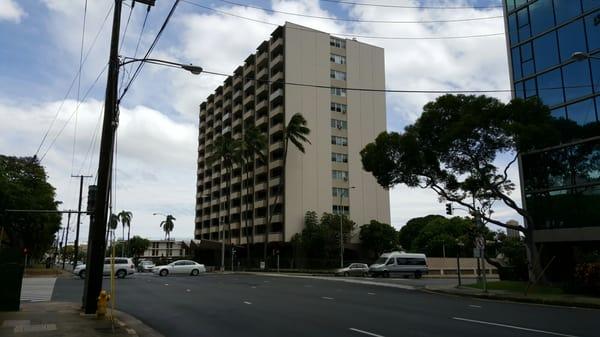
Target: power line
346	34
403	91
88	153
74	112
141	64
79	83
408	6
73	82
358	20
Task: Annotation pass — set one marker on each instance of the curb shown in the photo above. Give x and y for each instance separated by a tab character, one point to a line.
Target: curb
530	300
338	279
134	326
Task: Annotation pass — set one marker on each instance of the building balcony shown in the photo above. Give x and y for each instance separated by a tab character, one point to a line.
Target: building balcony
260	106
276	145
262	59
261	88
277	62
237	80
277	77
262	74
276	44
248	99
276	95
249	85
248	113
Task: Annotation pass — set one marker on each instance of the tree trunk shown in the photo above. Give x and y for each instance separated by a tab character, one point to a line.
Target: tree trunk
534	267
128	240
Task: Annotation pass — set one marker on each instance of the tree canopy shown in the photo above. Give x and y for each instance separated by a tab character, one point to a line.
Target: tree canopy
23	185
378	237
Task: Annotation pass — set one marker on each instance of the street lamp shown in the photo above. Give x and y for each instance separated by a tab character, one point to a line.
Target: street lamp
582	56
196	70
341	211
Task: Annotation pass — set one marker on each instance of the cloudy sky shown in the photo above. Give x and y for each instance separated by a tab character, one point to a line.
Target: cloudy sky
45	108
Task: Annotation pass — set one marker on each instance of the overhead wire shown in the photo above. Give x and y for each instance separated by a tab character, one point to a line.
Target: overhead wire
404	91
73	82
74	111
360	20
156	39
370	4
80	73
125	35
348	34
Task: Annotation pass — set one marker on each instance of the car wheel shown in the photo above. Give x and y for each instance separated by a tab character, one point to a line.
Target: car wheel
121	273
365	274
82	274
386	274
163	272
346	274
418	274
195	272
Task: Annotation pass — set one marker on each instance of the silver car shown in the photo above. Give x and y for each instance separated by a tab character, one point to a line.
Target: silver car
354	269
185	267
146	266
123	266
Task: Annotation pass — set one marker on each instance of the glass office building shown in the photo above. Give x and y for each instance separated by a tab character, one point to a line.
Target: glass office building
560	185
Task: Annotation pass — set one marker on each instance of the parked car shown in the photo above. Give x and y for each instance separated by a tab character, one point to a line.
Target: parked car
186	267
399	264
354	269
123	266
145	266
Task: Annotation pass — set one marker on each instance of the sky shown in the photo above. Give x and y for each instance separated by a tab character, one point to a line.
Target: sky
53	79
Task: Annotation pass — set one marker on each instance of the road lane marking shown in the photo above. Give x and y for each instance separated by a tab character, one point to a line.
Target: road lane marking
188	290
366	332
246	302
253	287
370	293
512	327
327	298
474	306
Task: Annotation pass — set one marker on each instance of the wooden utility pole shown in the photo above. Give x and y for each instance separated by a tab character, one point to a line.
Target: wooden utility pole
76	245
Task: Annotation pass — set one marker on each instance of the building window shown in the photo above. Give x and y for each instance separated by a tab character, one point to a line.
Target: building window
337	75
547	80
527	65
338	92
338	43
339	157
545	49
542	16
337	209
523	24
338	59
339	175
338	107
339	192
571	38
342	141
339	124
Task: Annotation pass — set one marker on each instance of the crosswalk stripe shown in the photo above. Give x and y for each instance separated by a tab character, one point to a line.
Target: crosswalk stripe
37	289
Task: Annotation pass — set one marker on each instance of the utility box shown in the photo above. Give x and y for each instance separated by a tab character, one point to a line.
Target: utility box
12	266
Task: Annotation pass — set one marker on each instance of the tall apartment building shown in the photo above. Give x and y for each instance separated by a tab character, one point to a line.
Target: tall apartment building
298	70
561	184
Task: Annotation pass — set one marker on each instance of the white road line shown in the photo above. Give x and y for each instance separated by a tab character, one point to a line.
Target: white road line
37	289
327	298
513	327
474	306
246	302
370	293
366	332
253	287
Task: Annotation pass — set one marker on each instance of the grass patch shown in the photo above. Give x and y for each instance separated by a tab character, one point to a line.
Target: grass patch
518	287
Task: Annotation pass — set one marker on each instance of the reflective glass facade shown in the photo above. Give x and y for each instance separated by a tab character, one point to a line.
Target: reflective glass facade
561	185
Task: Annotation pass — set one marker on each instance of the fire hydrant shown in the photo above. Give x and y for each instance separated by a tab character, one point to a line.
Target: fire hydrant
102	304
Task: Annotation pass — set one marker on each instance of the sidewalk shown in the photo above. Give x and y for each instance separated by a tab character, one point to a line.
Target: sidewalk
66	320
504	295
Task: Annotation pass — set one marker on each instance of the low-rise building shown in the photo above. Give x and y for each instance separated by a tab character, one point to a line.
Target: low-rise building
166	249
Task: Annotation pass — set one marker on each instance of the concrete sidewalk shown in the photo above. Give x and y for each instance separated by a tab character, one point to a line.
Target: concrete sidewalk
568	300
65	319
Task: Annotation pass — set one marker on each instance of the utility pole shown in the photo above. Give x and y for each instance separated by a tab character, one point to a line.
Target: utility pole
96	244
76	246
66	238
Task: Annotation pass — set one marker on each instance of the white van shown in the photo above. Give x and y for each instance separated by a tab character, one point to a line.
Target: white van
399	263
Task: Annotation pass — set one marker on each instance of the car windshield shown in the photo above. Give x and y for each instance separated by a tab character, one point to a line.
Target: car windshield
381	260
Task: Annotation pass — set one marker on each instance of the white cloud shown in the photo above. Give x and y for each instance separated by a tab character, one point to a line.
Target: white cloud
11	11
157	134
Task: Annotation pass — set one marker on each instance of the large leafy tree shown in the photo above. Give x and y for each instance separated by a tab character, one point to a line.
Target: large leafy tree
409	232
226	151
23	186
167	225
452	149
138	245
295	132
378	237
320	238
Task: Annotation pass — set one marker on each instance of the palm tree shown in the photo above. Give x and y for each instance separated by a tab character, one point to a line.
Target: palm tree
227	151
295	132
113	223
255	144
167	226
125	217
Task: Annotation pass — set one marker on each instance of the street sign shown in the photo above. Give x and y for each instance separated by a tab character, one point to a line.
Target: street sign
262	265
477	252
480	242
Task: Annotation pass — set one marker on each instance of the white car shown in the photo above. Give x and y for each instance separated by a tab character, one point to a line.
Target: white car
123	266
185	267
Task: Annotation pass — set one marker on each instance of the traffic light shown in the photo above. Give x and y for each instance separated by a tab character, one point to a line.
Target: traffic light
449	209
91	199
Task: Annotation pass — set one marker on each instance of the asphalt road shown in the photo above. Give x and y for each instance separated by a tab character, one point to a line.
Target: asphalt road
255	305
